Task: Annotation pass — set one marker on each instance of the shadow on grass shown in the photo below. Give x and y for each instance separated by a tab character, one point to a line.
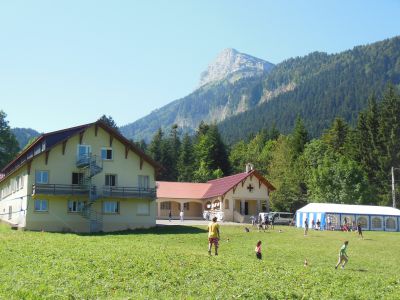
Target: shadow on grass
170	229
359	270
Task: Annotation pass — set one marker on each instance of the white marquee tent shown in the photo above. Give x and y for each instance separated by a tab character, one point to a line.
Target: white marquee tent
370	217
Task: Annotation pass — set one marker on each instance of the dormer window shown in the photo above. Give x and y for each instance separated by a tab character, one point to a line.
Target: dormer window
106	154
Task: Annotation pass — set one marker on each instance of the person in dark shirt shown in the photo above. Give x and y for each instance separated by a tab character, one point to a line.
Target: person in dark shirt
359	229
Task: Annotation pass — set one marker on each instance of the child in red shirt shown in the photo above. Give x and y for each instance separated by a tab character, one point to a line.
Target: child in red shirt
258	250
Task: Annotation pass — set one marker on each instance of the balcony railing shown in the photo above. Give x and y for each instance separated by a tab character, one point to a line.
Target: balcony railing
128	192
60	189
107	191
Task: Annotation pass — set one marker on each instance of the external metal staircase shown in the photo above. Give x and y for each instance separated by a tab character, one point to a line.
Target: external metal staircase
91	166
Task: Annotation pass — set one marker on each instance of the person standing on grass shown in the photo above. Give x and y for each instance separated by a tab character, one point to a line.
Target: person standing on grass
343	255
329	222
258	250
318	224
305	226
213	235
359	229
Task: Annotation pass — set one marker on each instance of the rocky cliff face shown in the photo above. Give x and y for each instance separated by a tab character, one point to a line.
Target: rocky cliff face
231	62
232	84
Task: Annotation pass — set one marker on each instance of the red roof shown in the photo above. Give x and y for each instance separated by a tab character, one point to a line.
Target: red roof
222	185
181	190
212	188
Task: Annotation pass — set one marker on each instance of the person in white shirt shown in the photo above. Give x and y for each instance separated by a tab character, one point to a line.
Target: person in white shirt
181	215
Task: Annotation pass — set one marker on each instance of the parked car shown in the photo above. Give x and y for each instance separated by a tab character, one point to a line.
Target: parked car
281	218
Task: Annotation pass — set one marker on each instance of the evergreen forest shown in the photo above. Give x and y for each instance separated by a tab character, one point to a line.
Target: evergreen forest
348	164
319	88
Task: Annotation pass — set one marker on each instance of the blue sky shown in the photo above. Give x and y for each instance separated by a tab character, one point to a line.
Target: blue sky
65	63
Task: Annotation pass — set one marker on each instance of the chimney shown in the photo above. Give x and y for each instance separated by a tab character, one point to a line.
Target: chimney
249	167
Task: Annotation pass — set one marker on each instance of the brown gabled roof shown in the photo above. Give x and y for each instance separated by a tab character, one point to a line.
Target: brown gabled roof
47	141
222	185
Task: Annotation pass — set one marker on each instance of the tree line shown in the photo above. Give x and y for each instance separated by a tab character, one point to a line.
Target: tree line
346	164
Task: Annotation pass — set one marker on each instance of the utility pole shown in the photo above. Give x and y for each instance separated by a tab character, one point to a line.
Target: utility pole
393	190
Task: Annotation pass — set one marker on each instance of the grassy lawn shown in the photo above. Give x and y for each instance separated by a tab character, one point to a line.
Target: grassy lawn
172	262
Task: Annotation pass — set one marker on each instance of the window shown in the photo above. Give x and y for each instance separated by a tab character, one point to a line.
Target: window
42	177
143	209
111	207
165	205
41	205
111	180
84	151
143	182
226	202
186	206
17	182
21	181
77	178
106	154
75	206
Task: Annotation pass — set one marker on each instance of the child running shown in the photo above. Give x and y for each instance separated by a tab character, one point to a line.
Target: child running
359	229
343	255
258	250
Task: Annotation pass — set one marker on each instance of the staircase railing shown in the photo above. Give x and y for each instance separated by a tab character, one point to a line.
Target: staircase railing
92	166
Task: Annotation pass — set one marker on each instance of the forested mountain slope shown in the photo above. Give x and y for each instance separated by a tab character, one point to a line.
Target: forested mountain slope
321	87
24	135
231	85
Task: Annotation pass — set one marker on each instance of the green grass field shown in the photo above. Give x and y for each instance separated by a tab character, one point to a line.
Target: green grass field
172	262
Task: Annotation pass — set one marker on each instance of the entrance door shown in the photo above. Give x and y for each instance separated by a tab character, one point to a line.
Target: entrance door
246	208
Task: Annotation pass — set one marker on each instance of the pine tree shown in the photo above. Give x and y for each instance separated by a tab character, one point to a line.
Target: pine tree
141	145
8	143
174	148
109	121
210	151
299	138
186	160
155	147
336	136
390	128
389	133
219	151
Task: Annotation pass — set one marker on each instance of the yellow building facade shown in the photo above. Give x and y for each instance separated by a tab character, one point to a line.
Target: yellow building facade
83	179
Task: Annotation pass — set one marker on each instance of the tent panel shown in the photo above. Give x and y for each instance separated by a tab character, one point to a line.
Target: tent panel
364	221
390	223
377	223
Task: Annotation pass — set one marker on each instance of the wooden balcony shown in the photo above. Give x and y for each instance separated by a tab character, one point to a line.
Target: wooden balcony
128	192
60	189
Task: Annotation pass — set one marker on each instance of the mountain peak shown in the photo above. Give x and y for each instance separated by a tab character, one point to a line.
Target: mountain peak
231	61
